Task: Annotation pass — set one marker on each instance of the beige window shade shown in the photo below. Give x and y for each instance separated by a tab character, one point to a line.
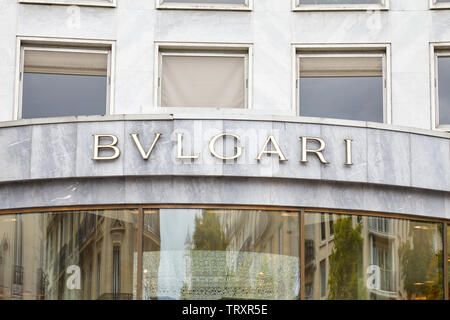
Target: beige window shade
203	81
340	67
79	63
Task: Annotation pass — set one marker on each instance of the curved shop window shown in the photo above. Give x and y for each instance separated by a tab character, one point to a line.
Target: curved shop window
364	257
219	253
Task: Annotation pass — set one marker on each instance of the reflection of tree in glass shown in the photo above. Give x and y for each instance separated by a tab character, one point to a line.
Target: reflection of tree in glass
421	265
344	281
208	233
448	258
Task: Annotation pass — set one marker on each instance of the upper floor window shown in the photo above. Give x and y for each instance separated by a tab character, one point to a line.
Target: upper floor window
349	85
203	78
340	4
205	4
64	81
441	86
97	3
440	4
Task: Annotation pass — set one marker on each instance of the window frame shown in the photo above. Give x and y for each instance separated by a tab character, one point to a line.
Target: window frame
203	50
297	6
90	3
439	5
161	4
51	45
343	50
437	50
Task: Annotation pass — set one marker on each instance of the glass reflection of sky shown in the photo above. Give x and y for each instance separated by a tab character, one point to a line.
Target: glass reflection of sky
174	226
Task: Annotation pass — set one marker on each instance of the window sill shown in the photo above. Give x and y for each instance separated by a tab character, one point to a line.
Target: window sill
439	6
326	7
229	117
95	3
443	128
174	6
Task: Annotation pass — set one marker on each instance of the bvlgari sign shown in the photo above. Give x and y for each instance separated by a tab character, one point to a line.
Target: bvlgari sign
109	142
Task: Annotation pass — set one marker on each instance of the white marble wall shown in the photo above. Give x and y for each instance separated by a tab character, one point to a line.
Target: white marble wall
409	26
230	191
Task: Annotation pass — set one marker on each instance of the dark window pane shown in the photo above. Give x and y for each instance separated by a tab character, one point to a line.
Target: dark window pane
323	283
56	95
444	89
330	217
323	235
116	272
352	98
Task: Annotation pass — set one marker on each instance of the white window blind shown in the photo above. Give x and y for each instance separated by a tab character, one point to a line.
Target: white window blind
206	1
203	81
341	67
65	62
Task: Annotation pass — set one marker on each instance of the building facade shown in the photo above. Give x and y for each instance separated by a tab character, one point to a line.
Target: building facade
224	149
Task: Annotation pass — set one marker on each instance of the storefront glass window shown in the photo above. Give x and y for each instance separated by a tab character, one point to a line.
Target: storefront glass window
42	259
210	254
374	258
220	254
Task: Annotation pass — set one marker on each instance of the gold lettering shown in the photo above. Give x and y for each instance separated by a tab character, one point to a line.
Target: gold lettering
111	146
317	152
276	151
145	155
348	152
213	150
180	149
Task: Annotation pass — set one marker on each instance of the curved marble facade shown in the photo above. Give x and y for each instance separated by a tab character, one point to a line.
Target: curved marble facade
393	170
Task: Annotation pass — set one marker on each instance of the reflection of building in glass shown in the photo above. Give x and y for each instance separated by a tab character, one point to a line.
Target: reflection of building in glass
152	244
93	250
382	246
218	254
20	248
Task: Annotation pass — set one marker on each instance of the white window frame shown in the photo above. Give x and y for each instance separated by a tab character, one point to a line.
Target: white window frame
203	50
297	6
437	50
343	50
63	45
92	3
436	5
248	6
